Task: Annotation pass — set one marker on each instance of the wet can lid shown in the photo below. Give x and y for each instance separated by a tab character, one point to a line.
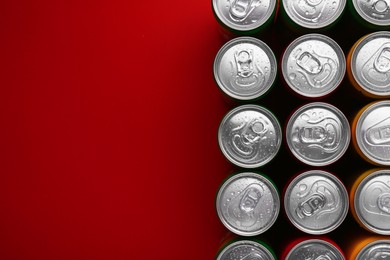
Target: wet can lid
370	63
373	132
316	202
318	134
376	12
377	250
315	249
248	204
313	65
245	68
245	250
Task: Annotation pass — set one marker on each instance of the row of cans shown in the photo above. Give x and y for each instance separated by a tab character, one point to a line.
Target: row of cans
251	16
313	66
318	134
315	202
370	248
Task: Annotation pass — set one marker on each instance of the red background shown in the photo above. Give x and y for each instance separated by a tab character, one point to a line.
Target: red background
108	126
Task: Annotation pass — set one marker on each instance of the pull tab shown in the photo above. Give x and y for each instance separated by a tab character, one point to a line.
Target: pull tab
384	202
244	63
379	133
310	206
382	62
251	198
381	7
309	63
312	135
240	9
323	257
313	2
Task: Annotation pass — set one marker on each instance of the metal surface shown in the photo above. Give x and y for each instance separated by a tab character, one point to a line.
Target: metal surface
314	14
372	202
378	250
314	249
313	65
318	134
249	136
245	68
370	63
316	202
245	250
376	12
248	204
244	15
373	133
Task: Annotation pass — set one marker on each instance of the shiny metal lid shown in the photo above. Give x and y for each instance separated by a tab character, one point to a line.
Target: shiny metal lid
377	250
313	65
318	134
316	202
244	15
245	250
248	204
373	132
372	202
245	68
249	136
314	14
376	12
314	249
370	63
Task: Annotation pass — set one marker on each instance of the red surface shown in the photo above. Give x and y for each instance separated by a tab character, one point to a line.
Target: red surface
109	116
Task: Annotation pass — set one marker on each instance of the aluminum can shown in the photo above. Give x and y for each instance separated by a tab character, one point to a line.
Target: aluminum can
370	248
248	204
316	202
315	249
369	65
245	68
374	14
318	134
249	136
246	250
313	65
313	14
371	133
244	16
370	201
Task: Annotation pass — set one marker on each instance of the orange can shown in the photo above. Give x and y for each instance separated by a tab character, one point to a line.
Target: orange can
375	247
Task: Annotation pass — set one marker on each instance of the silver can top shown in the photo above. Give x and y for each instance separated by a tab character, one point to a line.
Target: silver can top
377	250
373	132
245	250
248	204
376	12
316	202
249	136
244	15
314	249
318	134
245	68
372	202
370	63
313	65
314	14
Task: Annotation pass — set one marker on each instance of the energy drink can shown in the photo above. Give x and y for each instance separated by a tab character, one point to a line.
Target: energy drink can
248	204
316	202
309	14
245	68
249	136
316	249
370	248
373	14
244	17
369	65
371	133
313	65
370	201
246	250
318	134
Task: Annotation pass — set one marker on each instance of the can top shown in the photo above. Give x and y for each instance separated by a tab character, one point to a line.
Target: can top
314	249
370	64
243	15
316	202
245	68
245	249
318	134
248	204
376	12
314	14
249	136
372	202
373	132
313	65
377	250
